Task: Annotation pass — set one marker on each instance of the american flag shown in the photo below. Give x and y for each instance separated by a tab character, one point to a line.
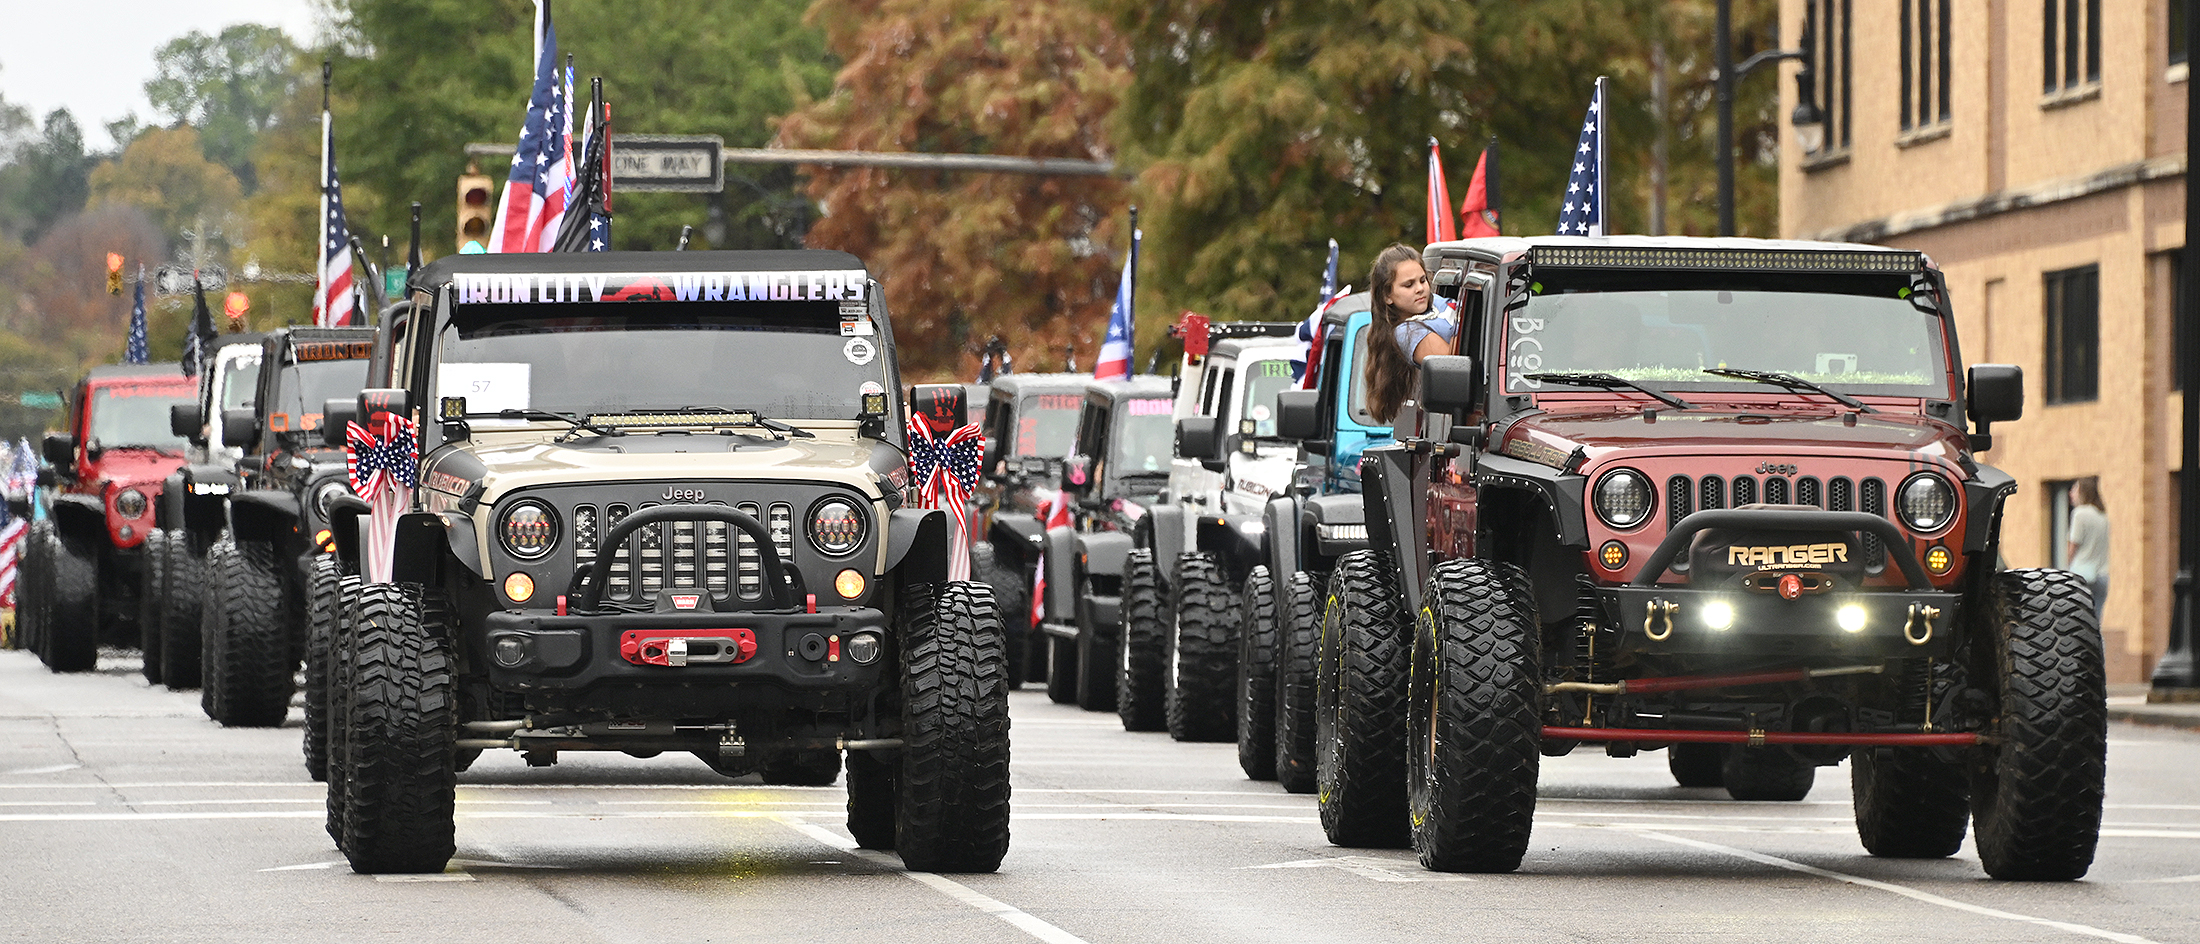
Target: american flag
1439	198
332	305
945	469
587	225
137	354
533	205
1583	211
1053	513
1115	352
382	460
20	481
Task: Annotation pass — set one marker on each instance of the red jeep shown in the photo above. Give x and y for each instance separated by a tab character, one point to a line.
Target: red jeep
1716	497
84	561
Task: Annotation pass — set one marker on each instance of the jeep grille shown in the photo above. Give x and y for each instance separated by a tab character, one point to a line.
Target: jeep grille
707	555
1683	498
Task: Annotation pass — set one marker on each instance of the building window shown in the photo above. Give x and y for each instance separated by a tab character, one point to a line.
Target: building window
2178	10
1925	71
1827	23
2074	335
2070	43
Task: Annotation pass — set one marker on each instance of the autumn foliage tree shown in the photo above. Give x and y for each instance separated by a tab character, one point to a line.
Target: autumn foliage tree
964	256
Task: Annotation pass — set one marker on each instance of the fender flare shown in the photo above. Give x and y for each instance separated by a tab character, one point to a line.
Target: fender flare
262	515
1234	546
418	556
458	531
1167	537
1016	541
1104	552
916	545
79	517
1061	565
1281	519
1340	508
344	514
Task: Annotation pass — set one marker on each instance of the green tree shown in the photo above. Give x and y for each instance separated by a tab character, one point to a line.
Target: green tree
45	178
228	87
422	78
165	174
964	256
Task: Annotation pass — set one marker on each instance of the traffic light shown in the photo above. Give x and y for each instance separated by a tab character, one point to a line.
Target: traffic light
114	273
476	209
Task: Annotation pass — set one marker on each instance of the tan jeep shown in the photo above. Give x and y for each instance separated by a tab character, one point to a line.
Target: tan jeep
661	506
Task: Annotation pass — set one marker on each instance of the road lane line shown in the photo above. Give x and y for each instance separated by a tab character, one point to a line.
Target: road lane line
27	771
1902	890
1017	918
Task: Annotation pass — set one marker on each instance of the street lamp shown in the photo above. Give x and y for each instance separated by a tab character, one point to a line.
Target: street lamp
1810	131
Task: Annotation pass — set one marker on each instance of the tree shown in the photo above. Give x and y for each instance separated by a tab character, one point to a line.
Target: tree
963	256
165	174
228	87
422	78
45	178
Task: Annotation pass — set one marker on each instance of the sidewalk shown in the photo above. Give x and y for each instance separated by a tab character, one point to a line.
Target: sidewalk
2128	703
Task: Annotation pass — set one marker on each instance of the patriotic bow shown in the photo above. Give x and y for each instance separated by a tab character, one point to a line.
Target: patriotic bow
945	470
383	454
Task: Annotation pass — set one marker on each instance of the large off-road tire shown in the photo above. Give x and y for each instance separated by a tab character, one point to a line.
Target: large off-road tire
871	793
1474	717
343	654
1767	773
1013	601
1910	804
1361	665
1298	633
251	662
181	656
1061	670
815	767
2036	803
1096	659
212	601
400	775
1697	765
151	591
70	638
1200	702
1256	678
1142	665
952	812
324	578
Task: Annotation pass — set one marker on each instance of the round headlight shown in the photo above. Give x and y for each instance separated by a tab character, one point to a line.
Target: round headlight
529	529
324	495
131	503
1926	502
1623	498
836	527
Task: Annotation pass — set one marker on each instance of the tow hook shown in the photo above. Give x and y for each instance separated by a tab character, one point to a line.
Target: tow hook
1928	615
1658	612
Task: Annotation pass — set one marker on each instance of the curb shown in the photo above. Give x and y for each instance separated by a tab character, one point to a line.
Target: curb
2161	716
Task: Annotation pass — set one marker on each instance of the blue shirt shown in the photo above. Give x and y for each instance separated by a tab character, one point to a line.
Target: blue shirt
1411	332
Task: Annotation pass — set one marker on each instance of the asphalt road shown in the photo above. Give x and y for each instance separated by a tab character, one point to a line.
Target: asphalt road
126	816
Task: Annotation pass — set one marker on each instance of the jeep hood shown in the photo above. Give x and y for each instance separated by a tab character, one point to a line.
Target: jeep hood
128	466
503	467
1551	437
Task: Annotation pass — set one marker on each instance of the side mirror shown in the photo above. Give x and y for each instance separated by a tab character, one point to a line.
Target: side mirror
239	428
46	477
1195	438
941	405
1298	414
1996	395
184	420
384	400
337	415
59	449
1447	383
1076	474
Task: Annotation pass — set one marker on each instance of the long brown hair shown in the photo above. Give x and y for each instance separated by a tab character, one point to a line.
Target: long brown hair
1389	373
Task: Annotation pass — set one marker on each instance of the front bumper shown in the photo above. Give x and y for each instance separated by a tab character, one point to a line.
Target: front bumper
570	653
1674	620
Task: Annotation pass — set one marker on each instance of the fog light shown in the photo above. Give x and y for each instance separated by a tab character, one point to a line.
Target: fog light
509	651
1939	560
518	587
1613	555
849	584
863	648
325	539
1718	614
1850	617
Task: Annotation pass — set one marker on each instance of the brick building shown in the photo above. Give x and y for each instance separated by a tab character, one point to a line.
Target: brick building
2036	151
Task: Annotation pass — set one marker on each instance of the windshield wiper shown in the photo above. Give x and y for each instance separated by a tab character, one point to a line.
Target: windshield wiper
578	423
1590	378
759	419
1791	382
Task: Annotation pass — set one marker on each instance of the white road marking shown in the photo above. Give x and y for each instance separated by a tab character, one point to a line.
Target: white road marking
1370	867
1019	919
52	803
1902	890
308	867
27	771
2168	881
431	877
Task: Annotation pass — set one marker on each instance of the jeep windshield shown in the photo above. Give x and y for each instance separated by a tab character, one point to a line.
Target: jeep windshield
301	390
1046	424
133	416
1145	439
1263	380
787	360
1858	334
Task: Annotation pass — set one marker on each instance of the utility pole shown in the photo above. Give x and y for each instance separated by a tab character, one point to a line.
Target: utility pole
1722	58
2174	679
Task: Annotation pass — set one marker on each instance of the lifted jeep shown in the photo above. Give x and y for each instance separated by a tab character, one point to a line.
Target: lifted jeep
83	564
1030	423
660	507
1682	492
189	515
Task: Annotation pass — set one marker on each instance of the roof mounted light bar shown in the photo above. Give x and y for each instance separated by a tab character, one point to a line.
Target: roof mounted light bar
1731	260
635	420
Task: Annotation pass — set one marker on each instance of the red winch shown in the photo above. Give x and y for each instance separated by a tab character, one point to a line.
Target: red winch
687	646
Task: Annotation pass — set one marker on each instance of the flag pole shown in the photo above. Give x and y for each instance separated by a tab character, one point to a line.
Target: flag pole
320	244
1489	189
1604	183
1133	296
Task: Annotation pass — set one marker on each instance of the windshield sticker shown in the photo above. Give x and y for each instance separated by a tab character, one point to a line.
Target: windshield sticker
143	390
1154	406
859	326
487	387
305	351
871	388
859	351
813	286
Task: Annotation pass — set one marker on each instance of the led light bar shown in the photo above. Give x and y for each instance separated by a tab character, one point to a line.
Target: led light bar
628	420
1732	260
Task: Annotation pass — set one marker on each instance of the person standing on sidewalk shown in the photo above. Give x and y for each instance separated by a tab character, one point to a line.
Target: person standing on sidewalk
2088	550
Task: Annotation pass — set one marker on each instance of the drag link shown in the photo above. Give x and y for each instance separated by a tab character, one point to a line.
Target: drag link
1677	683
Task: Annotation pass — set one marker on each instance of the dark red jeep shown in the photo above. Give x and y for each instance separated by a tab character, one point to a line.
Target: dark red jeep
1717	497
83	562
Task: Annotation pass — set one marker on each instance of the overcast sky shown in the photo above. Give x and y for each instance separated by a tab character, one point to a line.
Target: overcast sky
93	57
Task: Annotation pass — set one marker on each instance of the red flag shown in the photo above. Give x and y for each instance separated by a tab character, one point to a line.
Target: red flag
1439	199
1476	217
